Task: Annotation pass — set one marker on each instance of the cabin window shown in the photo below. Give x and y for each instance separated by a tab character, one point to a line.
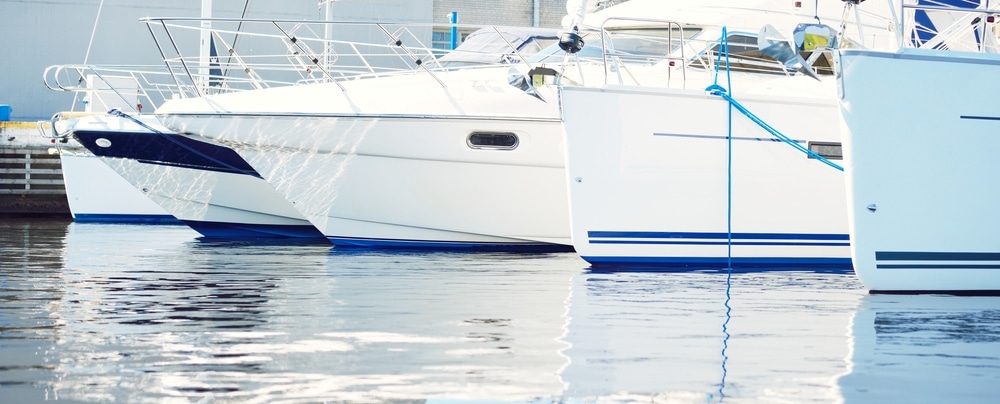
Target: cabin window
828	150
744	55
492	140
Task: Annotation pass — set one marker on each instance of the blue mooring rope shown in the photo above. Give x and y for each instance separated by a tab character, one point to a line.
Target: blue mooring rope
724	48
716	89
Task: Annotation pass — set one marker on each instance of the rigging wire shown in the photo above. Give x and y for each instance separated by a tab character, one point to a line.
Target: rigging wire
90	45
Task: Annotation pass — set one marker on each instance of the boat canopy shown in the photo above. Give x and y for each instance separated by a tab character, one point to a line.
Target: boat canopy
487	46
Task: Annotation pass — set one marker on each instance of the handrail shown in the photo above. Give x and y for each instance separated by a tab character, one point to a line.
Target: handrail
277	54
282	54
961	26
676	55
398	42
109	83
315	60
670	25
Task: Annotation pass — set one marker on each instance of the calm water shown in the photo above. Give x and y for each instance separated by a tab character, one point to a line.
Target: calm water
121	313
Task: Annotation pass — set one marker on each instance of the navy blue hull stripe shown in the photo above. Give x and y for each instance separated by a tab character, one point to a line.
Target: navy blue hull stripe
937	266
984	118
704	238
250	230
934	260
124	218
713	263
168	149
716	236
935	256
447	245
760	243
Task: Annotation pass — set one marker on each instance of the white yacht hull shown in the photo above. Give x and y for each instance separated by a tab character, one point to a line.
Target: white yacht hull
96	193
402	172
649	180
920	147
203	185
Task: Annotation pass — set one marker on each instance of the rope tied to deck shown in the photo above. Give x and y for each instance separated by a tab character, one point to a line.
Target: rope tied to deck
120	114
718	90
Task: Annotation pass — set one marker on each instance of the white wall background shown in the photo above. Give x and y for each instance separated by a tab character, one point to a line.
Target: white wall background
35	34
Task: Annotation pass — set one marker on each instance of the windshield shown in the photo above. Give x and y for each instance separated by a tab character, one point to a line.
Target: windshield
652	44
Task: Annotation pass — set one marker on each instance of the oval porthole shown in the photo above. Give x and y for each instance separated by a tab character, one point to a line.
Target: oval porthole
105	143
492	140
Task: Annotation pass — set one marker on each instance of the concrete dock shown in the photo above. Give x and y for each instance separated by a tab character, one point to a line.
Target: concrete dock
31	182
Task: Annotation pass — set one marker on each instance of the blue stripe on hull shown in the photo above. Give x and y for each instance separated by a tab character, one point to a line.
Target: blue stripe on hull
225	230
702	237
933	260
125	218
734	242
739	264
168	149
716	263
448	246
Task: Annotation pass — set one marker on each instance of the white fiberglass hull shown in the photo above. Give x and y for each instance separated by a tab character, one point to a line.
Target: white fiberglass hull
920	146
380	169
96	193
649	180
204	185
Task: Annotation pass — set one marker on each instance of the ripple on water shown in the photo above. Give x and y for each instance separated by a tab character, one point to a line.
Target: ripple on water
125	313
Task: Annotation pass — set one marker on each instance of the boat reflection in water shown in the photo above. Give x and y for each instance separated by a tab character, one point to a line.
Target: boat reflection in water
908	349
146	314
680	337
123	313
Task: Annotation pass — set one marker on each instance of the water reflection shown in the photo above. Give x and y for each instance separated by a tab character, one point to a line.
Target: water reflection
924	348
659	337
99	312
30	292
153	314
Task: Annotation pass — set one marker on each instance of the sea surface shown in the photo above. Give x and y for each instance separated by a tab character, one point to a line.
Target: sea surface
155	314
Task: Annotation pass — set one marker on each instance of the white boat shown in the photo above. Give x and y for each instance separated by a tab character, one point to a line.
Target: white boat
94	192
204	185
435	158
671	174
130	169
919	129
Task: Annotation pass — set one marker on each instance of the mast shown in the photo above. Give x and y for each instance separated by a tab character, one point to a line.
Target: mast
204	50
327	33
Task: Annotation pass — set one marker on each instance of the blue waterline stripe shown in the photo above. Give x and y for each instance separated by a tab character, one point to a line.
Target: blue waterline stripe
757	243
717	137
447	245
737	262
123	218
935	256
228	230
937	266
920	259
716	236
